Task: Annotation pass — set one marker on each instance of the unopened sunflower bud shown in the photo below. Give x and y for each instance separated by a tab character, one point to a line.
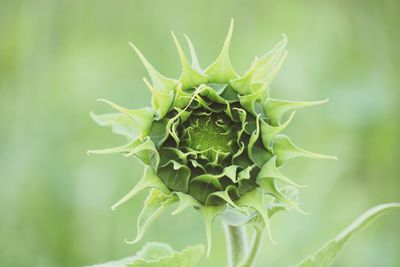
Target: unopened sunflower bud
212	139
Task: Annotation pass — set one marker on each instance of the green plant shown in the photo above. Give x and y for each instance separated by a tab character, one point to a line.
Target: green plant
212	141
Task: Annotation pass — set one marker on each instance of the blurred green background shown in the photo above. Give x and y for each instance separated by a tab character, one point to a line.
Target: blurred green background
58	57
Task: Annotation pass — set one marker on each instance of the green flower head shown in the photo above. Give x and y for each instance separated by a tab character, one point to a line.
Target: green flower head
212	140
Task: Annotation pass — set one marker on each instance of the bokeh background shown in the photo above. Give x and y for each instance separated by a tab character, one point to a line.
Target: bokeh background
58	57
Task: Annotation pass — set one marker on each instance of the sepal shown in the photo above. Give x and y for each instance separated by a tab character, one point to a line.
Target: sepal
275	108
142	118
269	132
160	82
221	70
193	54
284	149
255	200
148	180
120	123
209	213
185	201
161	102
190	77
270	171
262	70
155	203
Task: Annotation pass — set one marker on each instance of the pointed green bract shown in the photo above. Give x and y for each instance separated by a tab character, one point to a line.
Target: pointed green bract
209	213
160	82
119	123
185	201
162	102
141	118
211	141
193	54
270	171
149	180
252	103
154	205
189	77
269	132
221	71
254	199
145	151
262	70
285	150
275	108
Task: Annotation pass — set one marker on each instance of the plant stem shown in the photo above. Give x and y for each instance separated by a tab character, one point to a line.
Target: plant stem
258	236
236	244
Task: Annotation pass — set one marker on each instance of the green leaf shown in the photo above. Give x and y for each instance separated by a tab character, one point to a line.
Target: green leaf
155	254
154	251
221	70
156	202
325	256
188	257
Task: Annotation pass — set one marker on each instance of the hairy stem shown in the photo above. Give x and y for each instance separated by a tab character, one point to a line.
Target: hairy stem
236	244
251	256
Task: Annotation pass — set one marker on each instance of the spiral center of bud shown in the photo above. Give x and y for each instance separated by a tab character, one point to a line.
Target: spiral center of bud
211	132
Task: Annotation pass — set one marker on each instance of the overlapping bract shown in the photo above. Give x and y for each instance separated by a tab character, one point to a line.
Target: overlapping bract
212	140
